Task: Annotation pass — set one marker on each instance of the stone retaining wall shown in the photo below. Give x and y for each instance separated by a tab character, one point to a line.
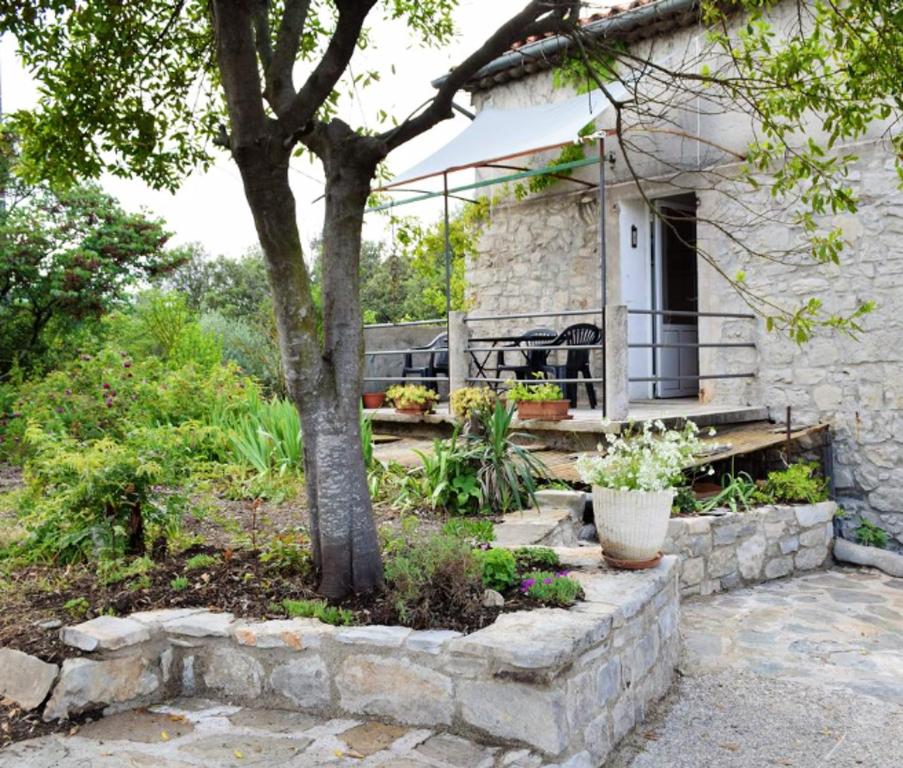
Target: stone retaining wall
735	549
569	683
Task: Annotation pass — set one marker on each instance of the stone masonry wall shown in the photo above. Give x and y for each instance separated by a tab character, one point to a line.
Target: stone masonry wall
728	551
567	683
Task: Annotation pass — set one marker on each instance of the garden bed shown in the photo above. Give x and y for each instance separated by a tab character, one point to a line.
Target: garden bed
569	683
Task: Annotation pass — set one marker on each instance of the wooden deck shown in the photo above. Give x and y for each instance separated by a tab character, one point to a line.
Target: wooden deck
728	442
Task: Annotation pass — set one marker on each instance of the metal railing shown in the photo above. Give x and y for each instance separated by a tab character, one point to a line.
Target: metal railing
400	378
677	377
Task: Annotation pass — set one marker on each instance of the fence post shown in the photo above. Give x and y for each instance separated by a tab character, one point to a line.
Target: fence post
458	366
616	362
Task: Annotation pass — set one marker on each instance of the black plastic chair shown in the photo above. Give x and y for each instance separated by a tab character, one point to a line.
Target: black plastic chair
438	362
534	360
577	361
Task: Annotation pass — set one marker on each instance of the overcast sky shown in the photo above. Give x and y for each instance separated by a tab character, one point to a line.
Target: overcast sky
210	207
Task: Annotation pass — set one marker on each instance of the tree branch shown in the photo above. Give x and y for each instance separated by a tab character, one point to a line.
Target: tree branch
280	88
537	18
262	33
303	107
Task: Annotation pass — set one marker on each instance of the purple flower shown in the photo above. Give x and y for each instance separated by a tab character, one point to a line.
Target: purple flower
526	584
562	574
547	580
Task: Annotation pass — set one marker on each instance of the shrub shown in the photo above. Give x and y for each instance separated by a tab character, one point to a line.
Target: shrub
179	584
288	552
551	588
870	535
738	493
77	607
468	401
536	559
266	435
422	570
526	392
473	530
450	477
798	483
412	396
115	571
499	569
201	561
99	499
317	609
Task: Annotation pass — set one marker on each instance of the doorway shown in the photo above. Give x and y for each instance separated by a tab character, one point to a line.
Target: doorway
676	296
659	281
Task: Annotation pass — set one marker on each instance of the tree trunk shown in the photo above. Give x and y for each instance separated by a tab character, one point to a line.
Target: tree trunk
323	378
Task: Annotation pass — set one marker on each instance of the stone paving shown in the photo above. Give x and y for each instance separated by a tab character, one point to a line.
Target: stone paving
806	673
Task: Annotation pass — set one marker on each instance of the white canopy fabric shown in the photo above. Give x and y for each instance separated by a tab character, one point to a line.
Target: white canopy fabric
499	134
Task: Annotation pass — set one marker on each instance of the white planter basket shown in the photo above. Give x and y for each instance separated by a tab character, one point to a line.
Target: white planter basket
632	525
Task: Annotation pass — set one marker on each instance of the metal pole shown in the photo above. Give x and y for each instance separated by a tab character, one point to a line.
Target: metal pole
448	253
603	267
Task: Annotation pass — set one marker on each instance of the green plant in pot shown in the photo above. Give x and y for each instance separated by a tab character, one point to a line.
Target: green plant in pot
539	400
467	402
634	483
412	398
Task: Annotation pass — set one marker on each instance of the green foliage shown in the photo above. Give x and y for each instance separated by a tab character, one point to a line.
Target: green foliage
536	558
685	501
450	478
288	552
499	569
871	535
77	607
66	259
475	530
266	435
411	396
534	392
200	561
317	609
798	483
117	570
179	584
100	499
551	588
738	493
468	401
422	569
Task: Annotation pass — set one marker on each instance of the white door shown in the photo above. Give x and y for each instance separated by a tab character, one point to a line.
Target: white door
675	289
636	291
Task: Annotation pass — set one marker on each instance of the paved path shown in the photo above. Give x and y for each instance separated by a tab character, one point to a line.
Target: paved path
805	673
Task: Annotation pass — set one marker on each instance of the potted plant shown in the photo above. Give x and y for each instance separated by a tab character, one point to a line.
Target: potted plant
539	401
374	399
634	483
470	401
412	398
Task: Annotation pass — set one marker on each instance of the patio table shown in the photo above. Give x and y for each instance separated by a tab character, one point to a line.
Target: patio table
482	364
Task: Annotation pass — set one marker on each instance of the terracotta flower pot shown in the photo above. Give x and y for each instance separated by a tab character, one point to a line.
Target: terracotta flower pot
547	410
374	399
632	525
413	409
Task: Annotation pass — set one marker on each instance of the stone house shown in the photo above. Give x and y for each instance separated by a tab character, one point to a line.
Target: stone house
542	253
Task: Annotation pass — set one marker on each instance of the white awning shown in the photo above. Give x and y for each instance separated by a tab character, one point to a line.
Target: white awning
500	134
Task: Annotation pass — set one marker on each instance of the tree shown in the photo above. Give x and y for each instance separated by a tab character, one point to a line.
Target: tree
68	257
120	84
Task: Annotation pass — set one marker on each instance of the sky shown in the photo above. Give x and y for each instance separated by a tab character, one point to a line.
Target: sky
210	207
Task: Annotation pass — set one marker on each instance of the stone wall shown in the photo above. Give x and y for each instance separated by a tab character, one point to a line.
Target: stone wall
735	549
568	683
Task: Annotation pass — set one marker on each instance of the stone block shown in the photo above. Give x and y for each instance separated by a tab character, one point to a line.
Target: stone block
700	544
692	571
526	713
778	566
813	514
430	640
722	561
697	525
751	557
377	636
546	638
597	737
305	681
25	679
789	544
233	673
106	633
157	618
86	684
623	717
201	625
810	558
668	620
396	688
815	537
294	634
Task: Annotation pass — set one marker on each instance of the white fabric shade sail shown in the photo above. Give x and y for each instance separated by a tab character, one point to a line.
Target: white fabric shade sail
500	134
